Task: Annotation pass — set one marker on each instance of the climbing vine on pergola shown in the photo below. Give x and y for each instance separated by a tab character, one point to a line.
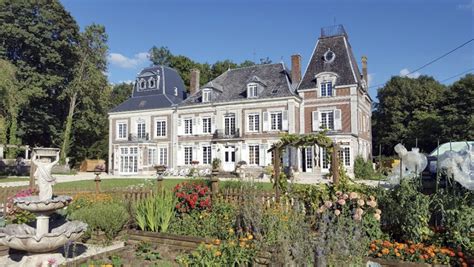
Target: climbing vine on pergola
296	141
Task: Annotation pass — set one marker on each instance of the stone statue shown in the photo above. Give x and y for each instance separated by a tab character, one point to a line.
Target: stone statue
43	177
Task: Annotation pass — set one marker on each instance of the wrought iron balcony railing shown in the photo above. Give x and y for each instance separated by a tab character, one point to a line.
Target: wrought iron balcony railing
139	138
222	134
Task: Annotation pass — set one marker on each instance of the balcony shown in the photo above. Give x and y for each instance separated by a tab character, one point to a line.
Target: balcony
221	134
139	138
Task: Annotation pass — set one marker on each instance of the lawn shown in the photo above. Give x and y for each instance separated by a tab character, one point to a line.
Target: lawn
13	179
108	184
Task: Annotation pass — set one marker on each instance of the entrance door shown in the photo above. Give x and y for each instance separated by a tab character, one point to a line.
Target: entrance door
128	160
229	158
307	159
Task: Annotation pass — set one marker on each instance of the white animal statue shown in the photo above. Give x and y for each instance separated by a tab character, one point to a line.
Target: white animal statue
44	178
460	166
413	163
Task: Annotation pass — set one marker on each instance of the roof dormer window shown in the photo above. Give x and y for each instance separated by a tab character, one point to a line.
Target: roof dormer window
151	83
252	90
142	84
206	95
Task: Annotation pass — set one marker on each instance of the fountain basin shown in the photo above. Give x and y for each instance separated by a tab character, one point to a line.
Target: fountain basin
35	205
23	237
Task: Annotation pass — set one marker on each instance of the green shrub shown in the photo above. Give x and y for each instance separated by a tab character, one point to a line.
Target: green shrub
406	213
215	223
363	169
108	217
155	213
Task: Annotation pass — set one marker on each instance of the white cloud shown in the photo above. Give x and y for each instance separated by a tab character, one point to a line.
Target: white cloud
125	62
468	6
406	73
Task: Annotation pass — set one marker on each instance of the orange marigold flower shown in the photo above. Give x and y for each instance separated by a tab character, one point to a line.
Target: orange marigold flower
379	255
385	251
397	254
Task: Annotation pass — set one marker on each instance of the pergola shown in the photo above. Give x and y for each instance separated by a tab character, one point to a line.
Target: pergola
296	141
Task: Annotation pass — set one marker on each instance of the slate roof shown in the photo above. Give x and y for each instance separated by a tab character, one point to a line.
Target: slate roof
232	84
344	63
162	96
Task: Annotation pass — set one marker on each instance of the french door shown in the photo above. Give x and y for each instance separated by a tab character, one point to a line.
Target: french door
128	160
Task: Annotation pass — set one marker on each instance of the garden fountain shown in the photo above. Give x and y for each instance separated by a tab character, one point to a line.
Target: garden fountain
44	238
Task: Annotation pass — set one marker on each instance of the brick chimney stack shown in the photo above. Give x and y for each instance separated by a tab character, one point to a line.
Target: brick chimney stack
194	81
295	69
364	70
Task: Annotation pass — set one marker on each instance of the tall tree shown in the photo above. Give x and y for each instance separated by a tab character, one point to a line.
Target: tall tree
89	80
11	100
38	37
457	111
406	112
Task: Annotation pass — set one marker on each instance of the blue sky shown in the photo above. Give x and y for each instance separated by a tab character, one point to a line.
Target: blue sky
396	36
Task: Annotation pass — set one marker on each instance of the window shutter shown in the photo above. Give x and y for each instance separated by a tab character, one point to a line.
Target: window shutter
285	120
180	156
180	127
262	155
315	121
197	154
213	152
213	124
265	121
198	128
244	153
337	120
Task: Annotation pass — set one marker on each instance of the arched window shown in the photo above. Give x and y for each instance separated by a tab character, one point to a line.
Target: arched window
151	83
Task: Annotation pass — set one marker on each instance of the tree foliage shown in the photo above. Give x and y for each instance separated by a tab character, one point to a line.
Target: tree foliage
422	110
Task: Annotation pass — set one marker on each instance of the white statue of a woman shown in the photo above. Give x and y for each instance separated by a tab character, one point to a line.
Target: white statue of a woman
43	177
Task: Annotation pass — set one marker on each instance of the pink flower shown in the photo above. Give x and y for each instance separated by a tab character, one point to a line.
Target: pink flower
357	217
372	198
377	211
328	204
359	211
372	203
345	196
341	202
377	216
361	202
353	195
337	212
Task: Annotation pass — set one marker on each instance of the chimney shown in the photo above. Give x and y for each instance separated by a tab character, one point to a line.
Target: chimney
364	70
194	81
295	69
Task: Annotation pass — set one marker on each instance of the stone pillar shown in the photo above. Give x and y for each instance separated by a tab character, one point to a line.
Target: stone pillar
42	225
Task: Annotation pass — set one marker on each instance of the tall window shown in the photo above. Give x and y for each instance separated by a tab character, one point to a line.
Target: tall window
327	120
252	90
188	155
276	121
206	95
141	128
152	156
254	155
160	128
206	125
122	130
344	154
229	124
326	89
188	126
128	159
163	156
206	155
324	158
254	123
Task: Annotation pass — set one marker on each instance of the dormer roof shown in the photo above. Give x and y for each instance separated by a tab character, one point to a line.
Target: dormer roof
168	90
233	84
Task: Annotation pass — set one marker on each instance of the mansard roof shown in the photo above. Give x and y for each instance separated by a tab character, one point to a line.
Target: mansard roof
168	90
233	84
343	64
